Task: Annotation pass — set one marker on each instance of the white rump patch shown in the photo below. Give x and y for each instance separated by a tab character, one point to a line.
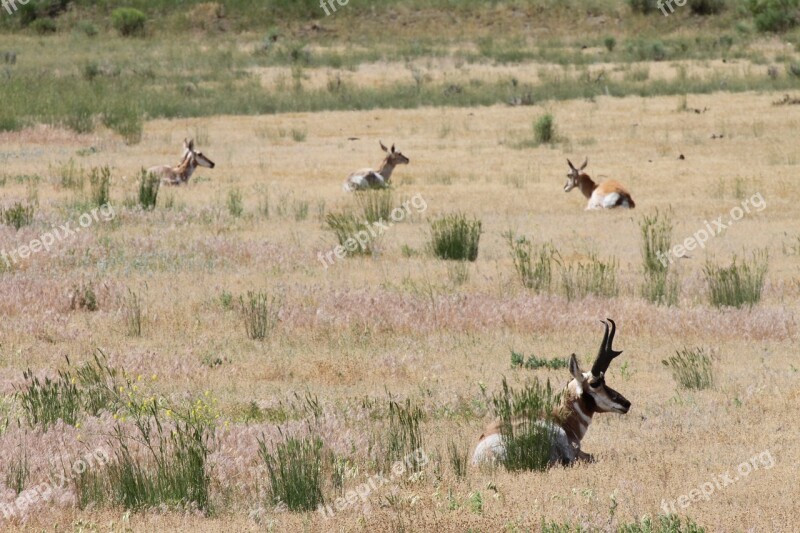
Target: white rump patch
610	200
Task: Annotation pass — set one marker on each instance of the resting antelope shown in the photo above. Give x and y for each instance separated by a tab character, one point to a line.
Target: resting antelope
607	195
369	179
181	173
584	396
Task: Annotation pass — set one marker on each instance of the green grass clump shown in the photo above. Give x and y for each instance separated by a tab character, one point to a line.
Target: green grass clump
532	362
45	402
148	190
595	277
295	471
692	368
534	264
375	205
235	203
133	313
17	215
454	237
526	417
544	129
260	312
774	15
100	182
660	284
346	226
739	284
404	439
128	21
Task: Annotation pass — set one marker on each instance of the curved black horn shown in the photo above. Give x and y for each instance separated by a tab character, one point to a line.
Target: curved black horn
606	353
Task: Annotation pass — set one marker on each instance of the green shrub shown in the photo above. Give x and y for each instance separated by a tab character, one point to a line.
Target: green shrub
44	26
660	286
17	215
775	15
346	226
691	368
375	205
125	119
534	265
593	277
454	237
148	189
739	284
260	312
544	129
404	439
526	417
295	471
45	402
128	21
86	27
610	43
100	182
235	203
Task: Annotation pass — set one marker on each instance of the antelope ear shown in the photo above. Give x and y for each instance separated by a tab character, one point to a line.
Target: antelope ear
571	165
392	148
383	147
585	163
189	144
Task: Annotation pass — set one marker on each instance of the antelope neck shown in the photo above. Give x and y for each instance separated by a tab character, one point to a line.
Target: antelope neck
587	185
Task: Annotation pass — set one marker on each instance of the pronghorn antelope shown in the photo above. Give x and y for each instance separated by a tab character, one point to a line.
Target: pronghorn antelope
607	195
369	179
181	173
585	395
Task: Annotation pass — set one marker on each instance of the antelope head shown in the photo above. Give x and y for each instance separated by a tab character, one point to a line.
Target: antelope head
591	386
393	157
574	174
194	157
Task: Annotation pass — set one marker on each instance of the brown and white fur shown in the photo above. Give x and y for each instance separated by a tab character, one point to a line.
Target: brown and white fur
370	179
584	396
180	174
607	195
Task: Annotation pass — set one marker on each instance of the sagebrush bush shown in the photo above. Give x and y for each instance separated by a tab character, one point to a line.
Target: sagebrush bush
148	189
17	215
128	21
347	226
455	237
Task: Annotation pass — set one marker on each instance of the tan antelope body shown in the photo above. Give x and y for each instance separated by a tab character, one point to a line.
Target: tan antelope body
368	178
607	195
180	174
583	397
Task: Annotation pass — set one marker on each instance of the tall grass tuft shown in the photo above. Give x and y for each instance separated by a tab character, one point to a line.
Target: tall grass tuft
17	472
405	432
260	312
596	277
148	189
346	226
659	286
458	459
235	203
295	472
45	402
454	237
133	313
692	368
544	129
526	417
375	205
100	182
534	264
739	284
17	215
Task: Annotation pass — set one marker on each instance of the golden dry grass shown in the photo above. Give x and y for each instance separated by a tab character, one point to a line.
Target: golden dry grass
368	325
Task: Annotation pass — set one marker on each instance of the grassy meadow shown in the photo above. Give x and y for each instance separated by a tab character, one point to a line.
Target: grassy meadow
199	365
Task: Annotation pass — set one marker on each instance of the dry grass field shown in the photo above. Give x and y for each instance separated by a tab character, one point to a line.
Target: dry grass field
160	297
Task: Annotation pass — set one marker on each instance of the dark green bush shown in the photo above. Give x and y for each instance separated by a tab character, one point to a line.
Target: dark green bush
775	15
128	21
706	7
